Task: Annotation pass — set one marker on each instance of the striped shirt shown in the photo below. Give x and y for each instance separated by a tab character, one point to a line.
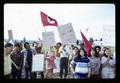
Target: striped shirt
81	65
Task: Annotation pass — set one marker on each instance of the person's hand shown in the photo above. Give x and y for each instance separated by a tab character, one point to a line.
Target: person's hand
92	72
108	60
19	68
88	75
73	72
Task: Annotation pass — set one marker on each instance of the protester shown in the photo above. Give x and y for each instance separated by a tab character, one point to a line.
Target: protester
38	48
114	58
98	51
63	62
28	54
94	65
8	47
81	65
17	58
108	65
50	64
57	60
73	55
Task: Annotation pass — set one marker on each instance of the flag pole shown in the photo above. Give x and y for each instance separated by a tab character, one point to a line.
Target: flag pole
44	29
13	62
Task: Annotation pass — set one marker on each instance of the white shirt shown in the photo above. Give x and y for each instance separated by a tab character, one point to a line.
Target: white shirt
7	64
62	52
107	68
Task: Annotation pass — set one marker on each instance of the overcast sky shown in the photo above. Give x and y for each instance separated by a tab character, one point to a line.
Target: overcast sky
25	20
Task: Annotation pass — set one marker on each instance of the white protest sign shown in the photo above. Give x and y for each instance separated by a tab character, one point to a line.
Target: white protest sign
38	63
10	34
67	34
109	35
48	38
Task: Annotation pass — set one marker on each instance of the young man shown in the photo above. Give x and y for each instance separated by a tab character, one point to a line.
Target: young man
17	58
63	61
28	54
8	47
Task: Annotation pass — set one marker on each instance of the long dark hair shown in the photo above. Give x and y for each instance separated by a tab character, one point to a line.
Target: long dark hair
79	56
96	55
75	47
34	43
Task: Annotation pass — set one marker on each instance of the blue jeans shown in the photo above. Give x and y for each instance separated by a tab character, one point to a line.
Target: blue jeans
80	76
16	74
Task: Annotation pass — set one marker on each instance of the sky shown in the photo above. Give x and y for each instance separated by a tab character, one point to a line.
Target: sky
24	19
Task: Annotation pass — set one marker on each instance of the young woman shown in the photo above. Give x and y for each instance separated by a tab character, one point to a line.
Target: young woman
57	60
108	65
94	65
98	51
73	55
37	47
50	64
81	65
99	54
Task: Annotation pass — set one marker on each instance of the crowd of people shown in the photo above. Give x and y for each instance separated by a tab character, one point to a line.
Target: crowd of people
61	62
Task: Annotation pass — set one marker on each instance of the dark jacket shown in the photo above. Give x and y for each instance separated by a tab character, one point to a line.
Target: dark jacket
17	58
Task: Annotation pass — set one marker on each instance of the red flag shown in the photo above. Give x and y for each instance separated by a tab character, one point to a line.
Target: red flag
47	20
87	44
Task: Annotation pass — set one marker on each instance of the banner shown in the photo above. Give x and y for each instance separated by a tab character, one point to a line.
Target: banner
10	35
47	20
67	34
87	44
38	63
48	38
108	35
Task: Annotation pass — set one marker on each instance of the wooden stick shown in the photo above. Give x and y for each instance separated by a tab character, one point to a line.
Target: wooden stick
14	64
13	61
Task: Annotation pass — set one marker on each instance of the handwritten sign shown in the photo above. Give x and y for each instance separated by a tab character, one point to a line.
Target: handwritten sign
109	35
48	38
67	34
38	63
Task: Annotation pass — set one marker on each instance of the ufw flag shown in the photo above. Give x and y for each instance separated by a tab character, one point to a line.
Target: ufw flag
87	44
47	20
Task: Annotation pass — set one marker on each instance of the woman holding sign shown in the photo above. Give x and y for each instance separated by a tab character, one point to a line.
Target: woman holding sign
50	64
38	47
